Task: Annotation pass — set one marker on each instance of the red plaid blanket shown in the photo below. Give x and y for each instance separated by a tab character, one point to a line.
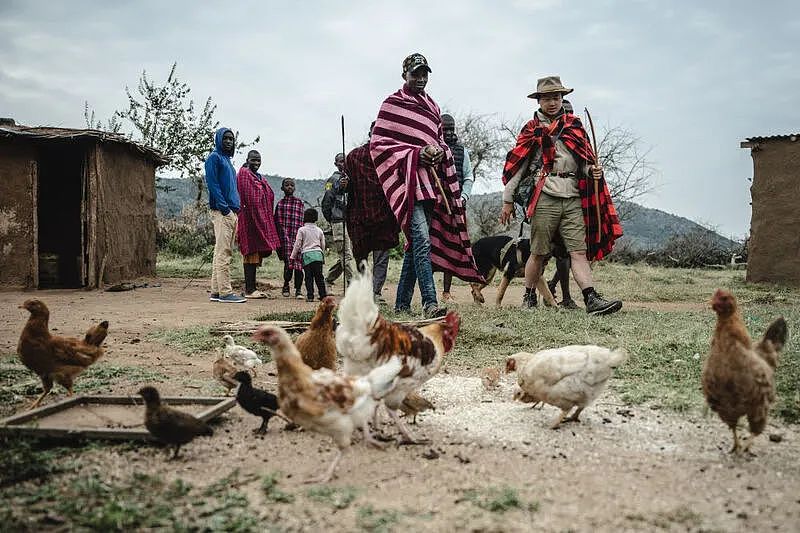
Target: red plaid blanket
599	238
289	219
256	231
406	123
370	222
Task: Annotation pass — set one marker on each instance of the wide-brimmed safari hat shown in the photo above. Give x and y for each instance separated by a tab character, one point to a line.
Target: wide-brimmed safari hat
549	85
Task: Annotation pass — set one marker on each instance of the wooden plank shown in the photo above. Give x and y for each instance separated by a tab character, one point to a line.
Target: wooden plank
216	410
41	412
15	425
250	326
70	433
34	191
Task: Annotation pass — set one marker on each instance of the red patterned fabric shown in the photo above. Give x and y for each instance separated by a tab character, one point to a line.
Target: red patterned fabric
371	224
406	123
256	231
599	238
289	219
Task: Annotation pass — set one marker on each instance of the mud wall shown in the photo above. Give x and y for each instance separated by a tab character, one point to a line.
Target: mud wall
774	253
17	214
126	215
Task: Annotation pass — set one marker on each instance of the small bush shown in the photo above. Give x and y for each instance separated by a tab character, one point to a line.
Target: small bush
188	235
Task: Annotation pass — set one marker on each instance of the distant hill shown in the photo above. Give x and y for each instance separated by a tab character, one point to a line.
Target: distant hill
170	203
645	227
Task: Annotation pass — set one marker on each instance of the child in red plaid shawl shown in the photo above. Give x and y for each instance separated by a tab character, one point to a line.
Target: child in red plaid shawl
288	219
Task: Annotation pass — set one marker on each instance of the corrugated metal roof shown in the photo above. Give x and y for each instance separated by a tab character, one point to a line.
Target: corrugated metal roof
67	133
788	136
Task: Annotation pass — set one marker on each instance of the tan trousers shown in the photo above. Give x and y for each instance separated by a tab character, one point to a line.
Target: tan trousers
340	241
224	237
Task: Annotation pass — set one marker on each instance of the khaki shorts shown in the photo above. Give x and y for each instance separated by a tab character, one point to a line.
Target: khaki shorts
557	214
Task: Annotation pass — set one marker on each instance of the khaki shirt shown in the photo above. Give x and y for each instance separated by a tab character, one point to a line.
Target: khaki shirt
555	185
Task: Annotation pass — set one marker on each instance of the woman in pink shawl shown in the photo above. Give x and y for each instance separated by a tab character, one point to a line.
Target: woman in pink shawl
256	232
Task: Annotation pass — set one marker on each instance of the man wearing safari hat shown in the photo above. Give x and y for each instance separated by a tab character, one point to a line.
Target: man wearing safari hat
416	170
553	153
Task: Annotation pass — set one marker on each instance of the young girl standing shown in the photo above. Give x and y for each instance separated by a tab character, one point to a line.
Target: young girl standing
309	246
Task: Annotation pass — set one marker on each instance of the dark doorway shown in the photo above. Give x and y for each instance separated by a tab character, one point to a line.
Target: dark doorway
60	239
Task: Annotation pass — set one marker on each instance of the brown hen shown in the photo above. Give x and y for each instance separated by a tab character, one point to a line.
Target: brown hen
738	377
53	358
317	344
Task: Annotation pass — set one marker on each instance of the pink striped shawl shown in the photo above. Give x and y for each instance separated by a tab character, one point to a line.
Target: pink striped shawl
406	123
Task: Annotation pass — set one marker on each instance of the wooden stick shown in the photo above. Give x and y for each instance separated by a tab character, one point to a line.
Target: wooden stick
595	180
441	190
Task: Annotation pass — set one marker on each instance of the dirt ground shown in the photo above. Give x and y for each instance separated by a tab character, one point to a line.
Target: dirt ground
622	468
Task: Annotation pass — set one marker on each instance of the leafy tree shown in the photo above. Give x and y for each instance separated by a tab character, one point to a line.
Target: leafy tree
165	117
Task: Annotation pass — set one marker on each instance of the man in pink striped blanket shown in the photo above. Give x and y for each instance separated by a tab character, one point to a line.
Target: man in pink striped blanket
418	176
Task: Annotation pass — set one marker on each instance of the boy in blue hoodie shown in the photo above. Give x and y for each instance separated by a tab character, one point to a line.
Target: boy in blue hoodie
223	200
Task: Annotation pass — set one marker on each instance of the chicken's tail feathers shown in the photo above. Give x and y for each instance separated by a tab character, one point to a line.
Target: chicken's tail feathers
776	333
382	379
206	431
357	310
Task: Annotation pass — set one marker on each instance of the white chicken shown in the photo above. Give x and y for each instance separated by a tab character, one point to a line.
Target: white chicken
567	377
325	402
244	357
366	340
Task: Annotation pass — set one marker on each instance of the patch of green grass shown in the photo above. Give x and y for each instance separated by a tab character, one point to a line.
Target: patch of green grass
198	339
292	316
682	516
104	376
376	520
23	459
336	497
498	499
269	484
18	384
666	349
140	502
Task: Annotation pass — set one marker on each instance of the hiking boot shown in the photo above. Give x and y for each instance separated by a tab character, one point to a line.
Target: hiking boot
232	299
568	304
214	297
529	301
597	305
434	311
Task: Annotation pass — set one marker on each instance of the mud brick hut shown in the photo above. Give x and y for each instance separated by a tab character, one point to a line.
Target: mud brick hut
77	207
774	248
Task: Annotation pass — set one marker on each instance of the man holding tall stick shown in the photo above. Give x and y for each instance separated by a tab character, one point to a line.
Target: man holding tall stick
570	194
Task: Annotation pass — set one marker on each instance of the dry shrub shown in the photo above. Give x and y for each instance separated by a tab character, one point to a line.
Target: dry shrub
189	234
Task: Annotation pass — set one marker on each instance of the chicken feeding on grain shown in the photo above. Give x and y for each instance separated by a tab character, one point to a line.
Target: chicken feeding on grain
568	377
170	426
324	402
366	340
490	377
317	344
256	401
241	356
223	372
414	404
738	376
53	358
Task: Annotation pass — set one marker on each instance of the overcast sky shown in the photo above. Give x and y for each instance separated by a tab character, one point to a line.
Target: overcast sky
691	78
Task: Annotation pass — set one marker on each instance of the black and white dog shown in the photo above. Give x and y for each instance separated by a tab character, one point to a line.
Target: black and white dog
509	255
